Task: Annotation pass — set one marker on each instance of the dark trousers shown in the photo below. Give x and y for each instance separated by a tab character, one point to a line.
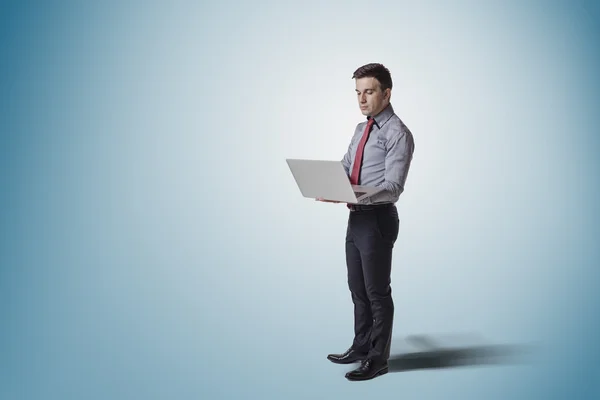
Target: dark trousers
370	238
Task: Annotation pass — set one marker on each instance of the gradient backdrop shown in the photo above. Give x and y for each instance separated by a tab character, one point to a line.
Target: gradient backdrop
154	245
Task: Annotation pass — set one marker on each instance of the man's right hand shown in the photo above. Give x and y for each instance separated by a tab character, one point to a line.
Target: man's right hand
327	201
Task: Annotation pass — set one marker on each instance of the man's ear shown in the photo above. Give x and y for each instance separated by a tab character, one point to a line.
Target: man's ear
388	93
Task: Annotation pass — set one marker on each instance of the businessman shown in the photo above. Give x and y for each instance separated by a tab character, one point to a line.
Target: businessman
379	154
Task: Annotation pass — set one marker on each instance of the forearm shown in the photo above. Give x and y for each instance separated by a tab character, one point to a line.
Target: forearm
394	188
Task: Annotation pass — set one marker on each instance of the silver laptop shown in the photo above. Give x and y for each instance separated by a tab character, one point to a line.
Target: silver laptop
327	180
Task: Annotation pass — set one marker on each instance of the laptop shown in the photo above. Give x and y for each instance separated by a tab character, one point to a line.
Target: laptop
328	180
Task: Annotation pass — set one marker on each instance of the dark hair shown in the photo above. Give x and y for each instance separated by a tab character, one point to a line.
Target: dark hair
377	71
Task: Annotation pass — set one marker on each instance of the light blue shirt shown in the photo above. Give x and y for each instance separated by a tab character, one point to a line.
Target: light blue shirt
387	156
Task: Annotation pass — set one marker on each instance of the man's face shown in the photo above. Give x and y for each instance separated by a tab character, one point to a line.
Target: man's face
371	99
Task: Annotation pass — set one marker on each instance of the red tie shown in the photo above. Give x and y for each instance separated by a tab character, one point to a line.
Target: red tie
354	177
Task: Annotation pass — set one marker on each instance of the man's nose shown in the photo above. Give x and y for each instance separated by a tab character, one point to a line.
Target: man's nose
363	98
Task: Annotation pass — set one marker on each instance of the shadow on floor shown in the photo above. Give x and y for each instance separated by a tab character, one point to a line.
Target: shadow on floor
433	356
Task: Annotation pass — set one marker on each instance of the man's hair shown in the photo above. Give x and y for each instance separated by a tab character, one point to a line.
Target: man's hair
377	71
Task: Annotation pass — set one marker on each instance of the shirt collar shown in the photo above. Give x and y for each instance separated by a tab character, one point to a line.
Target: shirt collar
383	116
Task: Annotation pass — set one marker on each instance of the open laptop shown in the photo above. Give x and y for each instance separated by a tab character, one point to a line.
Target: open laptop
328	180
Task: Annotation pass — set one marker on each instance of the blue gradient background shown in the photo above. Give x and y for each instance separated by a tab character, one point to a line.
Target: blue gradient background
155	246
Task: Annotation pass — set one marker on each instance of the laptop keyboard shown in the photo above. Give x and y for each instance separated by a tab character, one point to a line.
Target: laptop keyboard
358	194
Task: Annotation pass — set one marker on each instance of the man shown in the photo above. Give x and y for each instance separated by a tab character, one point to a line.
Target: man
379	154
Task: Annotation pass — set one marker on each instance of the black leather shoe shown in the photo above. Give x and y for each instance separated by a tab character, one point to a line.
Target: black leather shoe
349	357
368	369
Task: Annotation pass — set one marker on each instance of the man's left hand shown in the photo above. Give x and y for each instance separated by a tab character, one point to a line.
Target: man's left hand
327	201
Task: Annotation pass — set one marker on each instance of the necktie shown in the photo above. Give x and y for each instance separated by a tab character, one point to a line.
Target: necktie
354	177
